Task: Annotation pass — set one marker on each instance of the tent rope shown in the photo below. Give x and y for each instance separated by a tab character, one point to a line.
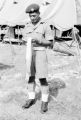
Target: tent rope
2	6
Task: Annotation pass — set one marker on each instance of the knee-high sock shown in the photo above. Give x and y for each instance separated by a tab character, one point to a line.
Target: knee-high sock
44	89
44	93
31	87
31	91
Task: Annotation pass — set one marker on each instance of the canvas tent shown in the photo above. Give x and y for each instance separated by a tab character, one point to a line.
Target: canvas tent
78	7
62	17
14	14
11	13
79	2
56	12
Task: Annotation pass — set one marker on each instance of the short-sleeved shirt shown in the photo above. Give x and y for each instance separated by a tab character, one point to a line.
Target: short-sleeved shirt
41	31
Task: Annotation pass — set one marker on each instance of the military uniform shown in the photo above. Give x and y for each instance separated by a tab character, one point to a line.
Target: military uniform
42	32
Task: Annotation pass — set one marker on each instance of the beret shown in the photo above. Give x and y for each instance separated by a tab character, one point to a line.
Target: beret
32	8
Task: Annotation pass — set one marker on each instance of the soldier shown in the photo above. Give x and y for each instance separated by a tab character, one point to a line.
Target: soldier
42	38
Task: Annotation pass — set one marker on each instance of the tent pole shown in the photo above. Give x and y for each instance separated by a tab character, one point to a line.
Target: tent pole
18	32
18	35
12	48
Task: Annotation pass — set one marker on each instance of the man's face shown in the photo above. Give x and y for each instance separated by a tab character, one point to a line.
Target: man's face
34	17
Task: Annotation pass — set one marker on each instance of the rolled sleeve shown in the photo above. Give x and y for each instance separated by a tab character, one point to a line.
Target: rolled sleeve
48	33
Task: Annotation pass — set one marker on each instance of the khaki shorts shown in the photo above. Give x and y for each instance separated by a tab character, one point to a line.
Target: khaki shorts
39	64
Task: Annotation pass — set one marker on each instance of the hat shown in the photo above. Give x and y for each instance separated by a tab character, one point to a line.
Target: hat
32	8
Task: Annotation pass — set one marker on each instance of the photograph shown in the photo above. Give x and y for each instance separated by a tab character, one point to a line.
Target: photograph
40	59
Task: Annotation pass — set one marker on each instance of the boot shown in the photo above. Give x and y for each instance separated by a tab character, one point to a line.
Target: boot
29	103
44	107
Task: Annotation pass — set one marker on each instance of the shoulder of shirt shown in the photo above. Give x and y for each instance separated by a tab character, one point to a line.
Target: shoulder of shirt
45	23
42	22
28	24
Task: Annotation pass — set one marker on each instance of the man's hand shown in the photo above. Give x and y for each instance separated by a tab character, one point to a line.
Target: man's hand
43	42
35	40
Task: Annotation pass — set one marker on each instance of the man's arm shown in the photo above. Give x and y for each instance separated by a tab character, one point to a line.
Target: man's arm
43	42
47	40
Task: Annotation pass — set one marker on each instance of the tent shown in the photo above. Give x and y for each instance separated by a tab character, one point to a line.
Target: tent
57	12
78	7
12	12
62	17
79	2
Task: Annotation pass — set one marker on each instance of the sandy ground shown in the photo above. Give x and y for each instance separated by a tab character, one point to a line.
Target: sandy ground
64	73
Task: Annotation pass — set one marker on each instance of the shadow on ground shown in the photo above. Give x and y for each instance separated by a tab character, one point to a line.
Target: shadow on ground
55	85
4	66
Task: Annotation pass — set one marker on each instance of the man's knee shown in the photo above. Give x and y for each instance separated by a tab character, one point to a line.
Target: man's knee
43	82
31	79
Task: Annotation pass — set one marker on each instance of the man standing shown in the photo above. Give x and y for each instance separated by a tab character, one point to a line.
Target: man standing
42	37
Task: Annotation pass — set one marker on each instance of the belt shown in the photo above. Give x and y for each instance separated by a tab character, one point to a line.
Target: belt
39	48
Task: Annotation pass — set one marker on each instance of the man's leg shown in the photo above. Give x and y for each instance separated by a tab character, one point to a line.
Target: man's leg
31	85
44	94
31	93
41	74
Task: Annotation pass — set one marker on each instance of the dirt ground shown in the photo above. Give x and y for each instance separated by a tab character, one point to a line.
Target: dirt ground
64	73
